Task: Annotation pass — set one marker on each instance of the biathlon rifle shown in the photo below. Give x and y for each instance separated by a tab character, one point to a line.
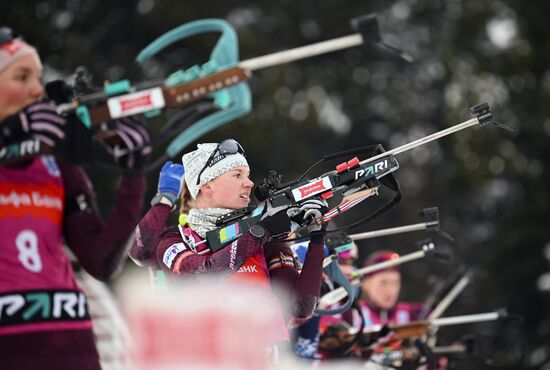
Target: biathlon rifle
445	293
420	328
380	339
352	181
395	353
210	94
342	241
399	354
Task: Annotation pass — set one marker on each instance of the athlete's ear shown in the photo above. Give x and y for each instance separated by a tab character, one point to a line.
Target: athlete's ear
206	189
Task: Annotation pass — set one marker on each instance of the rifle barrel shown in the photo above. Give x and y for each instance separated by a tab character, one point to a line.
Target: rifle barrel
387	264
424	140
390	231
449	298
339	293
466	319
301	52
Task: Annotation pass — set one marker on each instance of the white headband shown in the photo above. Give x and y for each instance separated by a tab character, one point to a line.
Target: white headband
194	162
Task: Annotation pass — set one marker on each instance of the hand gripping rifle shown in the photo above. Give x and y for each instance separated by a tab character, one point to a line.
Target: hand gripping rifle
353	181
209	95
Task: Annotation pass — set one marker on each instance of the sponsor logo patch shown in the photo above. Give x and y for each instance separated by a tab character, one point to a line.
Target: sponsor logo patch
377	167
135	103
42	201
51	165
312	188
229	233
171	253
252	268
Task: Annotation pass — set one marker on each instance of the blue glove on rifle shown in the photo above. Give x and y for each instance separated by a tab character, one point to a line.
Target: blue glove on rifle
171	181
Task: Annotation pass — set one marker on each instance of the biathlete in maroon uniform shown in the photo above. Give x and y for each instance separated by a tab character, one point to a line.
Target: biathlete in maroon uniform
380	294
46	203
378	305
216	177
379	298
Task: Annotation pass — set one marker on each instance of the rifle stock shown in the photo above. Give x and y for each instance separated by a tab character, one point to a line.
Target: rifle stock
102	107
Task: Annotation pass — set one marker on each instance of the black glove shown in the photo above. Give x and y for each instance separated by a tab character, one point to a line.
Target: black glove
39	120
135	146
310	214
275	219
59	91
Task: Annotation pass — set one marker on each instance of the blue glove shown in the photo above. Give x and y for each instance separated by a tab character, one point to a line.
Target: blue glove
171	180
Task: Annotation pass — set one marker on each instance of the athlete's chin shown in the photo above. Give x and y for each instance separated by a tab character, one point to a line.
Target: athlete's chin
238	204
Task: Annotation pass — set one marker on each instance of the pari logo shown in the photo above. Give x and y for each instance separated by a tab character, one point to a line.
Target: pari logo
374	168
15	150
312	188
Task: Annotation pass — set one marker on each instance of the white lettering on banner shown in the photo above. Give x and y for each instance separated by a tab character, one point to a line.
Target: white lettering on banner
171	253
15	199
29	147
66	302
374	169
12	302
81	304
35	198
46	201
248	269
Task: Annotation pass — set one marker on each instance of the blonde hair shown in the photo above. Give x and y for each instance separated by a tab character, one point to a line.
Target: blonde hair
186	200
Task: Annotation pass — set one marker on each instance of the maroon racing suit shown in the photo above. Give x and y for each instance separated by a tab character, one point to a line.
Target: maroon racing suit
182	252
46	203
401	313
